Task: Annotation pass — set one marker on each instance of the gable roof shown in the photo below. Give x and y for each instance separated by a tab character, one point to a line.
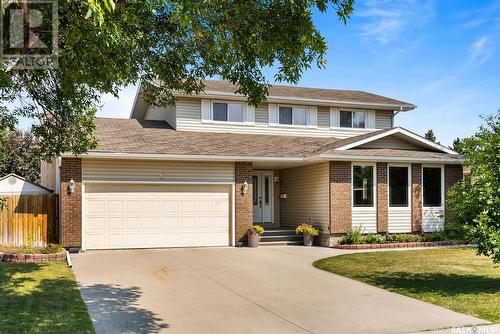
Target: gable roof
132	138
5	177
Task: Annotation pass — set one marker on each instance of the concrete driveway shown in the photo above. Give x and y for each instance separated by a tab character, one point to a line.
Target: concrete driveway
242	290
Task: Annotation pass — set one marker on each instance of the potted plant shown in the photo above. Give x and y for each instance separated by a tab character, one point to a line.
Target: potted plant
308	232
254	234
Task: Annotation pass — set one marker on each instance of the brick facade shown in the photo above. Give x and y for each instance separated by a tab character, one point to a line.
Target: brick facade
340	197
244	202
452	175
70	215
382	198
416	197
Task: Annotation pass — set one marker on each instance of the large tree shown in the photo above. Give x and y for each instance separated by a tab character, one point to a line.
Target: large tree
105	45
476	201
18	154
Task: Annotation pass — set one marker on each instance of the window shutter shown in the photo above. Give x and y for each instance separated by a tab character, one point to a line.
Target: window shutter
273	114
334	118
313	117
250	114
370	119
206	111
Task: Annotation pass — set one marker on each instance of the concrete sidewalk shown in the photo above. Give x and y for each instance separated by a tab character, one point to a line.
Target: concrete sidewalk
242	290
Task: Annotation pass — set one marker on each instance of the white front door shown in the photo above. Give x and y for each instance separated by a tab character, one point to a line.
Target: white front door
263	197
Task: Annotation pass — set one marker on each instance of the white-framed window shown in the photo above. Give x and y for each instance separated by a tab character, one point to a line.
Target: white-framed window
228	112
432	186
289	115
399	186
352	119
363	185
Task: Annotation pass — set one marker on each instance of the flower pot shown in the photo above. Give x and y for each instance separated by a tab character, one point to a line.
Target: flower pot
253	238
308	239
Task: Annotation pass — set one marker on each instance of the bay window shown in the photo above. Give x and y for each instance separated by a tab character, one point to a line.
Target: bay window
362	185
398	186
431	183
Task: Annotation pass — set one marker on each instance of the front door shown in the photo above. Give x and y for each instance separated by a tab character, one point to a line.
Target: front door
263	197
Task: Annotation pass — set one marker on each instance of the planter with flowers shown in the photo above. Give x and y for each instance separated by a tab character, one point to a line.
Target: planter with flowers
308	232
254	234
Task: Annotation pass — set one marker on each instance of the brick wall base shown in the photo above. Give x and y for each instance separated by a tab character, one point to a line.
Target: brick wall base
70	214
244	202
416	197
340	197
452	175
382	203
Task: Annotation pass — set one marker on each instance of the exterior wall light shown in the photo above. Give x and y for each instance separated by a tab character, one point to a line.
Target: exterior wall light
244	188
72	186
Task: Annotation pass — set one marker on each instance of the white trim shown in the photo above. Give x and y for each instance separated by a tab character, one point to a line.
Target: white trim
408	166
379	158
233	214
402	131
364	163
352	111
84	218
271	193
208	183
440	166
308	116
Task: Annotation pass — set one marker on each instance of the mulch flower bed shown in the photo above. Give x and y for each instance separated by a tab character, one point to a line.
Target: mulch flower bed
396	245
32	258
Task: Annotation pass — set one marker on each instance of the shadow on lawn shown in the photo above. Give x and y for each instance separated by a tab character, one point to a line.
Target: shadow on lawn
442	284
28	305
113	310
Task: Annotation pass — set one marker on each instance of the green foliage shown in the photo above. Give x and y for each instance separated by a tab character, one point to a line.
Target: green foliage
458	145
374	239
19	152
29	249
170	46
354	236
51	249
403	237
307	228
429	135
475	202
435	236
257	228
3	202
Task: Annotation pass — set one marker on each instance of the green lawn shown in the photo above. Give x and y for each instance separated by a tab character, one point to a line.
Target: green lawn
454	278
41	298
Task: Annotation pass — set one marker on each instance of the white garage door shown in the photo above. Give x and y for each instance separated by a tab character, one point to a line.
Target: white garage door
147	216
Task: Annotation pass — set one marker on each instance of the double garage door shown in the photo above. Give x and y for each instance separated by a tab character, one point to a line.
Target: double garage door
148	216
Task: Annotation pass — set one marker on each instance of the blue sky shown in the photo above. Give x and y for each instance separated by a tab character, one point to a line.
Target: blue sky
443	56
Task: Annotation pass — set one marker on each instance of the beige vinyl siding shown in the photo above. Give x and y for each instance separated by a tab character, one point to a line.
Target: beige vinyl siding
365	219
188	118
392	142
323	117
384	119
161	114
307	191
432	219
161	171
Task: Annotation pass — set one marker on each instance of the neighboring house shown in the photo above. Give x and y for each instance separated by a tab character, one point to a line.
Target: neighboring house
201	172
13	184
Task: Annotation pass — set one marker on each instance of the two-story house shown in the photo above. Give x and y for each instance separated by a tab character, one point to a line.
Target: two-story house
200	173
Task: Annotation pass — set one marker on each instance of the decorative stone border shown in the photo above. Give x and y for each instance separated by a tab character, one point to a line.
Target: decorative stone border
396	245
32	258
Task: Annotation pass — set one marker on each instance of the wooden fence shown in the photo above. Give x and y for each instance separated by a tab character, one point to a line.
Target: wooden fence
28	220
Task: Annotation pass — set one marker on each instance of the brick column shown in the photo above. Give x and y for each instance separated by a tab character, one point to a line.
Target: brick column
452	175
70	215
416	197
382	198
244	202
340	197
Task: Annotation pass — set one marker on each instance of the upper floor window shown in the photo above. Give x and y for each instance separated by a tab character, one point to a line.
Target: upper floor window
352	119
228	112
292	116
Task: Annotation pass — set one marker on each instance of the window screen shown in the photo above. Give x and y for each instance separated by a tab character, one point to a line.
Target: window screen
398	186
362	185
432	186
345	119
285	115
220	112
358	119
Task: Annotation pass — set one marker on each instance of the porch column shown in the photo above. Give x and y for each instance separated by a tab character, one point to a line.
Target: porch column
243	202
416	197
452	175
70	214
382	195
340	197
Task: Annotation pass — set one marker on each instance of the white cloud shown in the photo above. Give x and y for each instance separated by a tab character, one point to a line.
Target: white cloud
481	50
386	20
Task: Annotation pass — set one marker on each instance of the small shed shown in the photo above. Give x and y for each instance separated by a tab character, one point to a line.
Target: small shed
13	184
